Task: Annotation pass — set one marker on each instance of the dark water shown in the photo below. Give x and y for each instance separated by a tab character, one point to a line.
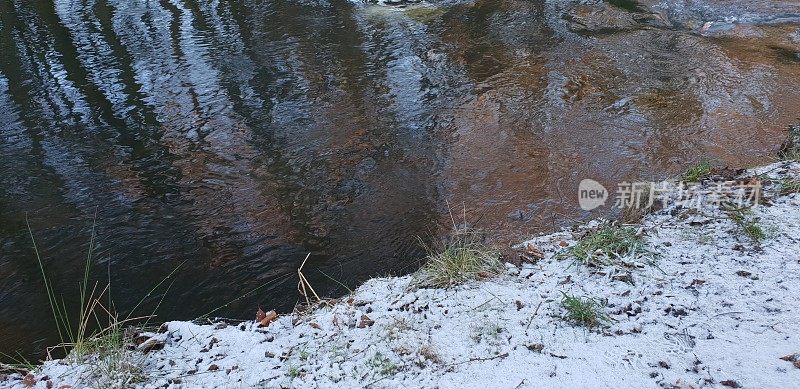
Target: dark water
235	136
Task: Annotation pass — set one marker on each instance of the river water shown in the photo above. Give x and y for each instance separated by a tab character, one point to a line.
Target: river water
229	138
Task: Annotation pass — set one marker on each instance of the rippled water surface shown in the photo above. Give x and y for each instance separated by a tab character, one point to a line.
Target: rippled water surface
235	136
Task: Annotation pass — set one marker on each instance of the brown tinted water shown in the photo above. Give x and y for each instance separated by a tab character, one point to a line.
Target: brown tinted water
234	137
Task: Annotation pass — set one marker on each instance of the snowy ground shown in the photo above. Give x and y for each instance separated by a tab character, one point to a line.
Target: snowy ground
716	309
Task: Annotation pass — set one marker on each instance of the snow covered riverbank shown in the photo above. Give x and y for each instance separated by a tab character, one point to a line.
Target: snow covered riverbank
715	308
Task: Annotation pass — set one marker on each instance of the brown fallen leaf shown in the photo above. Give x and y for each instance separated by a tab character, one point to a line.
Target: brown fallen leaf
151	345
790	358
563	243
730	384
260	314
483	274
532	253
365	322
213	367
29	381
796	364
536	347
268	317
314	325
697	281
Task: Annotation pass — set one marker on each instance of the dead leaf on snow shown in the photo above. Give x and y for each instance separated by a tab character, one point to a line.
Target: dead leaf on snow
264	318
260	314
730	384
532	253
365	322
697	281
29	381
151	345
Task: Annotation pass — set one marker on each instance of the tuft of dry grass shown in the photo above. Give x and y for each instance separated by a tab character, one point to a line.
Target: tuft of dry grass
94	337
634	213
790	151
464	257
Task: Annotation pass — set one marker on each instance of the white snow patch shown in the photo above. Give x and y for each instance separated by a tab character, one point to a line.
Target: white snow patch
714	307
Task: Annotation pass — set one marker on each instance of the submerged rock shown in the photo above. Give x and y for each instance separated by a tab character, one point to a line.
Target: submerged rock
604	17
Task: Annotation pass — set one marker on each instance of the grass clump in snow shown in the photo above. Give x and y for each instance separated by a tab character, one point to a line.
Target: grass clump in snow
606	246
382	365
489	332
585	311
698	172
93	336
790	151
462	258
789	185
791	155
749	224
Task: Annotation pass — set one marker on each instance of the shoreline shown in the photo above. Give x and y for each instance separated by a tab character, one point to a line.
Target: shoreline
711	307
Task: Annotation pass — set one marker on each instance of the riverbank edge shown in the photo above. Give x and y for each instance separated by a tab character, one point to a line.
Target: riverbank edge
714	309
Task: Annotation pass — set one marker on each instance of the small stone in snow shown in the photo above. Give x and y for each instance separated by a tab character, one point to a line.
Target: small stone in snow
743	273
213	367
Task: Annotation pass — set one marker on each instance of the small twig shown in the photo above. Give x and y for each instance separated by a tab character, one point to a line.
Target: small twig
477	359
536	311
15	369
727	313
